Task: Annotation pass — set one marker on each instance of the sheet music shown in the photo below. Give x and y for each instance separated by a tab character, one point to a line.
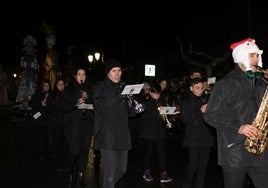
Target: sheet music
86	106
132	89
211	80
168	110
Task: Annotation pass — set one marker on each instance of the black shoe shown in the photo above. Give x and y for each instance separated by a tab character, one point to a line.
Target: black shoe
80	178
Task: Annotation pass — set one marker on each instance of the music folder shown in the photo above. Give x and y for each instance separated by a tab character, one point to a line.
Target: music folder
132	89
167	110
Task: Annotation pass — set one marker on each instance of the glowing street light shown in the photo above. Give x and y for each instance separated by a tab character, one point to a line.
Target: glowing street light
96	57
90	58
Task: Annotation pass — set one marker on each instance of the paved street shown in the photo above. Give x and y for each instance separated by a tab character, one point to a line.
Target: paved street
22	168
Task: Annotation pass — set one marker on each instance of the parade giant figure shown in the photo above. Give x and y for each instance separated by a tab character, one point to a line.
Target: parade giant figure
29	67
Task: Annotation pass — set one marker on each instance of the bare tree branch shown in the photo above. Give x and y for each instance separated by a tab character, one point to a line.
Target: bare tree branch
201	59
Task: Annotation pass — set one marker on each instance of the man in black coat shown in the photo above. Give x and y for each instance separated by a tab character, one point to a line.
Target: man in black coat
112	135
231	109
197	137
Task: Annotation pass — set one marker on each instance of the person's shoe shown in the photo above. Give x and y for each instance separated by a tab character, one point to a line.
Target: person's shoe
164	178
70	181
147	176
80	180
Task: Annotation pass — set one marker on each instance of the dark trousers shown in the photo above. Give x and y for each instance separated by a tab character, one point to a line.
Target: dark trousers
234	177
149	145
197	165
79	145
60	146
44	139
115	166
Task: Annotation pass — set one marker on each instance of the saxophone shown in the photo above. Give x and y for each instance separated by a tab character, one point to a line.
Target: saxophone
258	145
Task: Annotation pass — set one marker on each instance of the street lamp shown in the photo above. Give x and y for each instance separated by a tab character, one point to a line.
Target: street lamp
96	57
90	58
96	66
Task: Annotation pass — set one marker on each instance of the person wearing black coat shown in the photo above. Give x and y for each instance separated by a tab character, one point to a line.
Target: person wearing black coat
153	132
112	136
60	141
233	105
197	136
79	123
42	107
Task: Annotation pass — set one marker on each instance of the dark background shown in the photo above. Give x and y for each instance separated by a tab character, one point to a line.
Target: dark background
135	29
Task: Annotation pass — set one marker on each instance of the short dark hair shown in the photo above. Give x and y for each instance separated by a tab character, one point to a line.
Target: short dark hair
195	69
196	81
155	88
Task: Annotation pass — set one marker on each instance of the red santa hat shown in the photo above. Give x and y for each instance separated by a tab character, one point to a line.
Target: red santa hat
242	49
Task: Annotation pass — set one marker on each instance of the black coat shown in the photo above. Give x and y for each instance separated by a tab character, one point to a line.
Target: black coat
46	118
153	126
197	132
77	121
111	117
234	101
58	111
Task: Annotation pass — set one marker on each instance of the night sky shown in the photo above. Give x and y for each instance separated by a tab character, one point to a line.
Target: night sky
139	28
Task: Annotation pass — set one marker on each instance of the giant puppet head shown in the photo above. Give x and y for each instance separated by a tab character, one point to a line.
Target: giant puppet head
242	49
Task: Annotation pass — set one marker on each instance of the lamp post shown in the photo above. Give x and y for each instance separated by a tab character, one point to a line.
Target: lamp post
96	65
95	57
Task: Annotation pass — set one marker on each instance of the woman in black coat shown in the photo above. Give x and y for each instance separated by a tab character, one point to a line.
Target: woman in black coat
79	122
60	141
42	108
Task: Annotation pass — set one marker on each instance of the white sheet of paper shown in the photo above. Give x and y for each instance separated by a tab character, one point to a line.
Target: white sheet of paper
211	80
132	89
86	106
168	110
37	115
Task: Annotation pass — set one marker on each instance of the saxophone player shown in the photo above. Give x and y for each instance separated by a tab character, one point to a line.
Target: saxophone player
231	109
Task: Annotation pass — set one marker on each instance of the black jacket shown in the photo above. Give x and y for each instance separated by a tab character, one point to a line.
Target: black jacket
197	132
153	126
46	111
234	101
76	119
111	117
